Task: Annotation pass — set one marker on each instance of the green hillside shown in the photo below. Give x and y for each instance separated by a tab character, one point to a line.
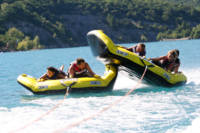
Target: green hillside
33	24
194	3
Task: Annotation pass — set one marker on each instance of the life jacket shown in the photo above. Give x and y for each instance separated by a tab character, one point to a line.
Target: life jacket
78	72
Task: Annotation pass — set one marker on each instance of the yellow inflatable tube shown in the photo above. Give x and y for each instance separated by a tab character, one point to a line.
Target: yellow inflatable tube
83	84
103	47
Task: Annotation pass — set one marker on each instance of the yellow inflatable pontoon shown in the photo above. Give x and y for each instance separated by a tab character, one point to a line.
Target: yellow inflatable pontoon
103	47
83	84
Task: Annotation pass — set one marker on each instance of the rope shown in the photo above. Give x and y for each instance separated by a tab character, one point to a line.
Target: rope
48	112
104	109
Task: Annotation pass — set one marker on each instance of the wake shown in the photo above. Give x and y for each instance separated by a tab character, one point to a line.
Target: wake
124	81
193	76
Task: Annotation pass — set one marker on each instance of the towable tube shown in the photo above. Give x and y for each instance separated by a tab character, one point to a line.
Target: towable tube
103	47
83	84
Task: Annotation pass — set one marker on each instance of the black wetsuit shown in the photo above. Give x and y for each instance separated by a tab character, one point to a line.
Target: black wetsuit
133	49
56	75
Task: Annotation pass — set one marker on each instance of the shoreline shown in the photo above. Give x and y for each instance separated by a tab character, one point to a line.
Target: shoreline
176	39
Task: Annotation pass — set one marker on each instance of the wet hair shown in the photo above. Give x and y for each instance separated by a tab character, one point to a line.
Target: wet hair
177	51
79	61
142	45
171	52
52	69
174	53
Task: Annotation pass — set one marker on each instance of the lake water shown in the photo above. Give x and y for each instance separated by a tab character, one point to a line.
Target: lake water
149	109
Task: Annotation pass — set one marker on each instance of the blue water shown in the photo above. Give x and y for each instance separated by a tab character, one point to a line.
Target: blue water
149	109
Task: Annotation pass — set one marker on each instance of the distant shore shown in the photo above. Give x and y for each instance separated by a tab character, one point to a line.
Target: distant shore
176	39
7	50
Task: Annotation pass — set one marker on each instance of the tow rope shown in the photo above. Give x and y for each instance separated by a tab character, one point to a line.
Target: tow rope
48	112
104	109
84	119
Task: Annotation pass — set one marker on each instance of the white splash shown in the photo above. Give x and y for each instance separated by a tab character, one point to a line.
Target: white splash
124	81
193	76
194	128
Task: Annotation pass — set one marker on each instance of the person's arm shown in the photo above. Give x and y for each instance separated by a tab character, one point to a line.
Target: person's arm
71	72
43	77
131	48
157	59
176	68
178	63
89	69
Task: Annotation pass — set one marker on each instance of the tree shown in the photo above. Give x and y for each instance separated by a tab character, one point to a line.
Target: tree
25	44
143	38
196	32
110	20
4	7
36	43
15	33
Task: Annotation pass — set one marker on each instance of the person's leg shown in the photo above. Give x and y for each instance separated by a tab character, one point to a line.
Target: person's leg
61	68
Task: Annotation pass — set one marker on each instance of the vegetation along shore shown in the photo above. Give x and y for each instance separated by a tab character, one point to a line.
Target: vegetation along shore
37	24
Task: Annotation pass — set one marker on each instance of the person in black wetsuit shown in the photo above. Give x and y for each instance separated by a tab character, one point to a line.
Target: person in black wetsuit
53	73
139	49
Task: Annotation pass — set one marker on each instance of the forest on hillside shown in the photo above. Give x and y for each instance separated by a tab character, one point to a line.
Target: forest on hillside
165	19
